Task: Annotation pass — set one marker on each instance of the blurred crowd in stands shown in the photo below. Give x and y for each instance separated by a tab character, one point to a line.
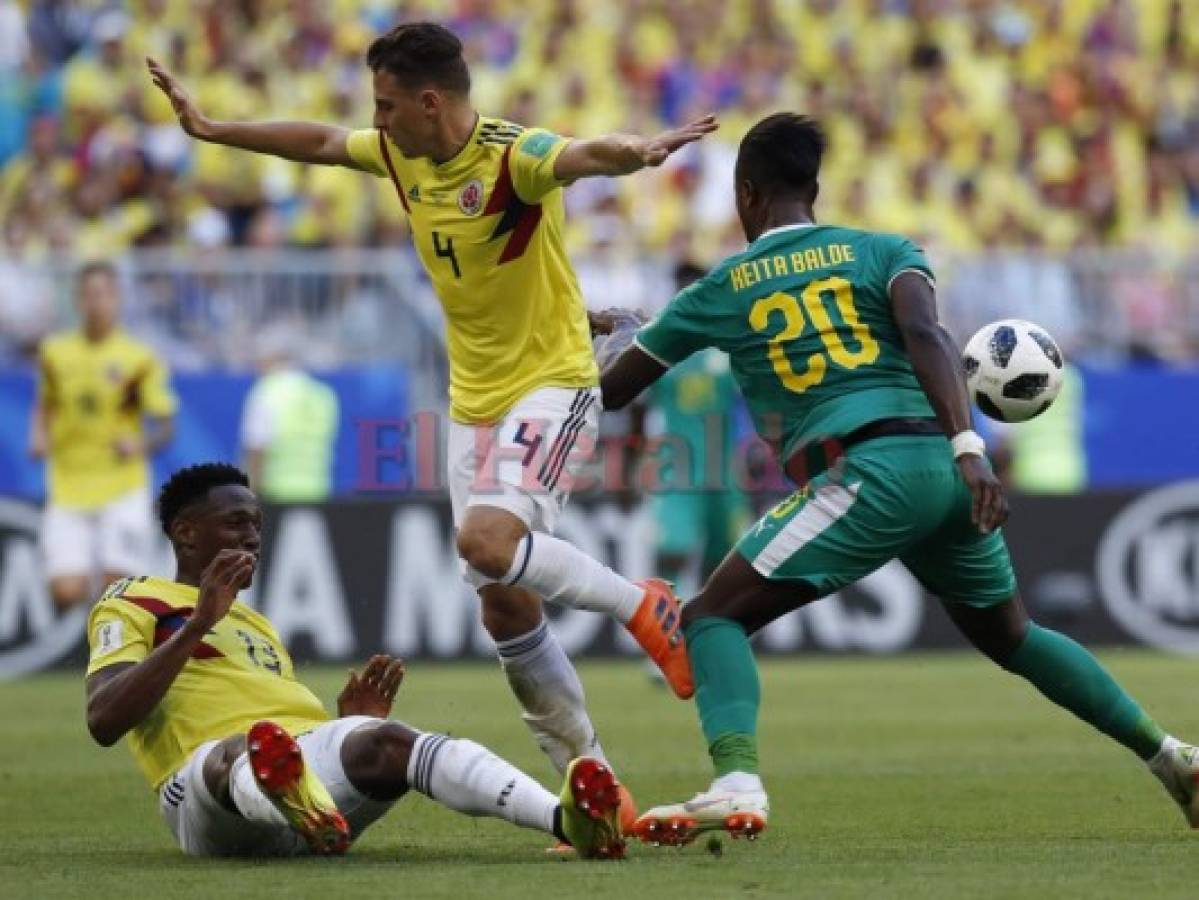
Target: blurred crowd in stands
971	125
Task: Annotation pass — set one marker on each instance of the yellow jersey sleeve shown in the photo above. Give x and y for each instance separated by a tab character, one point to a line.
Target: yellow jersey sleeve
117	633
363	147
155	394
532	164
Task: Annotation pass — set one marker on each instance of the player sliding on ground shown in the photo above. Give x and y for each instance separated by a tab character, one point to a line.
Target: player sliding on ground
834	341
243	757
484	200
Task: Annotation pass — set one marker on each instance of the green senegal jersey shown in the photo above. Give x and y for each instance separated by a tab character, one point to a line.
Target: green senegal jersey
804	313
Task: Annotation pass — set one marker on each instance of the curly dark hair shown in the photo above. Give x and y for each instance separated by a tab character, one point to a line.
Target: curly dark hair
419	54
191	485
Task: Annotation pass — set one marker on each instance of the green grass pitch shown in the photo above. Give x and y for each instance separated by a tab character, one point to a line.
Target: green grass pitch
923	776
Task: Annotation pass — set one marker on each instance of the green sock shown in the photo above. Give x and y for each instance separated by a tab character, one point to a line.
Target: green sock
727	692
1066	673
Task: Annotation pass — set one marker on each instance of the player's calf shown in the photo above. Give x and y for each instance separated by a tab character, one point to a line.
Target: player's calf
376	758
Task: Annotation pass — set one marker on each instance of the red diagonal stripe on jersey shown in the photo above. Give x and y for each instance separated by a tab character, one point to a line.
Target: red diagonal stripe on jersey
504	191
521	235
391	169
156	606
165	628
504	200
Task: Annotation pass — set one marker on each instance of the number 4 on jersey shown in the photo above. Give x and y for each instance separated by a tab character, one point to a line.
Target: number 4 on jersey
446	251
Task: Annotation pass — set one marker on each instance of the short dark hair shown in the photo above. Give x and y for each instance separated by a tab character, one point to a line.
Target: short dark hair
191	485
421	53
782	154
96	267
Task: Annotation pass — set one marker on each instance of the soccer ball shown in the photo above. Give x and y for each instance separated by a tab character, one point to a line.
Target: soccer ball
1013	370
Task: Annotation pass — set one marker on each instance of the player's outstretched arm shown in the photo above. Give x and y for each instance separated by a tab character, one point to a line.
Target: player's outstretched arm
623	381
621	154
938	367
123	694
308	142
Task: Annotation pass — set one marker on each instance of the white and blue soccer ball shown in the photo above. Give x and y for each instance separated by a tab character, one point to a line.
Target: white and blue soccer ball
1013	370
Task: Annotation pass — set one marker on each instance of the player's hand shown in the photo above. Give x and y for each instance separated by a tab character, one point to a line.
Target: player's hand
37	446
655	150
228	573
607	320
989	509
615	334
190	118
374	691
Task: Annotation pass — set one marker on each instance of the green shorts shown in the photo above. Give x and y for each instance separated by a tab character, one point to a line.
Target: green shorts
895	497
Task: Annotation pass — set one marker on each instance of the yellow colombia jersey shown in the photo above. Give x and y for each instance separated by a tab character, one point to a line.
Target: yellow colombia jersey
95	393
238	674
488	227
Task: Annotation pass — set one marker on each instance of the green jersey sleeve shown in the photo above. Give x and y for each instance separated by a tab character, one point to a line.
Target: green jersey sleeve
897	254
682	328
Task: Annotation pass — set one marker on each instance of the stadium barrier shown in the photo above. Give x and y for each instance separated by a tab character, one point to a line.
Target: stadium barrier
213	307
348	579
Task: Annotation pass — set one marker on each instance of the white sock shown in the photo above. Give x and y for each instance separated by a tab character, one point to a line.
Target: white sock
248	797
545	682
738	782
471	779
1164	753
562	573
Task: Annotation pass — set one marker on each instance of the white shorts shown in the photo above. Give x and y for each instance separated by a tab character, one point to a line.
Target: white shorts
116	538
203	827
528	462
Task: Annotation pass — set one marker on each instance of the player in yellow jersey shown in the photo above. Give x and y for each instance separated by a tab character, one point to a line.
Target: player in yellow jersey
104	405
244	758
485	203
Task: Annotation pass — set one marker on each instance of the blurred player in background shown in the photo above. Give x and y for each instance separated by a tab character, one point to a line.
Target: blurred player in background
104	407
289	429
834	337
484	200
696	405
205	690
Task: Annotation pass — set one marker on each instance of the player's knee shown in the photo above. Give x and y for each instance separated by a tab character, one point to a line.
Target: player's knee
393	742
1006	641
376	758
487	550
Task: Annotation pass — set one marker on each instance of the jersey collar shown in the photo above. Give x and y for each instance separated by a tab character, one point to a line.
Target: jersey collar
795	226
464	152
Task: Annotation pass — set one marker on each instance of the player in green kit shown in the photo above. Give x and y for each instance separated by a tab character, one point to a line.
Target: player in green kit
834	341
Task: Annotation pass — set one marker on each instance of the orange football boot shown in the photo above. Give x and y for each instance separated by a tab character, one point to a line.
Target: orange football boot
656	626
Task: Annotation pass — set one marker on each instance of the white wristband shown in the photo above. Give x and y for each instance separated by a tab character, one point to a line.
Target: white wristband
965	442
